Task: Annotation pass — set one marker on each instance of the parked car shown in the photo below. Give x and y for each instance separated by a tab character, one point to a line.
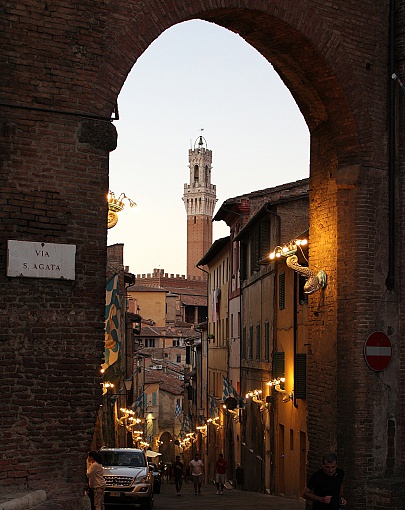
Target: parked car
128	478
156	476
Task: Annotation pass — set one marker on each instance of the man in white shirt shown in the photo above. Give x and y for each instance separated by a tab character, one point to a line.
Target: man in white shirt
96	480
197	471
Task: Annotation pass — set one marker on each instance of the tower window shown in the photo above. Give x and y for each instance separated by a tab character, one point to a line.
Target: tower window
196	172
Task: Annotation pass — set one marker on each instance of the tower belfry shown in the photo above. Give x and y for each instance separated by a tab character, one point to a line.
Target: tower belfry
199	199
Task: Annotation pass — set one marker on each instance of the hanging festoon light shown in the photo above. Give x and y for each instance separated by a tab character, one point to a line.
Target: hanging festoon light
115	205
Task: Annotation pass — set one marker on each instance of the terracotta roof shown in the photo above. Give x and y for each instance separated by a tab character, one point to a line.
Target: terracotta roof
167	381
169	332
194	300
145	288
273	195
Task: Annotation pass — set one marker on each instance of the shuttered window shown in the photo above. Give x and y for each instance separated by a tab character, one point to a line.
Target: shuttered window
278	364
243	346
281	291
264	247
258	343
266	341
250	354
300	383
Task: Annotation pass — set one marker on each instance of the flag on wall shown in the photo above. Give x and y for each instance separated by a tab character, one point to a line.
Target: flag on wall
112	332
137	406
228	390
214	411
177	410
187	425
215	297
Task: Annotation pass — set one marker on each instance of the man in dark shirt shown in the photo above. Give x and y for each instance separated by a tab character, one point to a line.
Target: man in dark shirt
325	486
177	473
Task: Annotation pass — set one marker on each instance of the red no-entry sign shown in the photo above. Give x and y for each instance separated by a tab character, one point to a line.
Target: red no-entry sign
378	351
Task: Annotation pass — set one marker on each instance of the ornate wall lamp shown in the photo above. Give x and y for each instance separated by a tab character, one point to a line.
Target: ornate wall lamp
214	422
115	205
133	422
256	396
126	414
231	404
234	413
106	385
314	281
276	384
203	430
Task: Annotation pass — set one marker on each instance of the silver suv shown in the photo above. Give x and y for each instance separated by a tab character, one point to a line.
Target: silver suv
128	478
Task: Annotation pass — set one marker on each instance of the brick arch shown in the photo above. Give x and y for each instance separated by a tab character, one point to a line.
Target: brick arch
315	68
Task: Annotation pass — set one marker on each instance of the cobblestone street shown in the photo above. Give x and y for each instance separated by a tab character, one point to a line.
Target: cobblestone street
234	498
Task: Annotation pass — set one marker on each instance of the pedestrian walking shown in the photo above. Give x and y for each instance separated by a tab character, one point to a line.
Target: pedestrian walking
177	474
96	481
197	471
220	472
325	487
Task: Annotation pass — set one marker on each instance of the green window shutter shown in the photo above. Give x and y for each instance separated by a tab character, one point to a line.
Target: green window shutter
278	364
300	383
267	341
264	237
250	356
258	343
243	346
254	250
243	263
281	291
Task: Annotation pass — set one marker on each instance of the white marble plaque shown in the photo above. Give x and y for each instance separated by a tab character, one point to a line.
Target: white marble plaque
41	260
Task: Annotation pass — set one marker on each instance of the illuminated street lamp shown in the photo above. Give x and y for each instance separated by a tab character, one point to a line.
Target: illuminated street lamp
115	205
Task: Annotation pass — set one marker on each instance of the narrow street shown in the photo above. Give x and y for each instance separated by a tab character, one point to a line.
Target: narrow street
234	498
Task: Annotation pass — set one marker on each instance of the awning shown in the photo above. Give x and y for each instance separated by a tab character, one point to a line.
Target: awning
151	454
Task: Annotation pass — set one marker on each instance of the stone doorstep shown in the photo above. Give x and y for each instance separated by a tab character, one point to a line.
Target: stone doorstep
21	499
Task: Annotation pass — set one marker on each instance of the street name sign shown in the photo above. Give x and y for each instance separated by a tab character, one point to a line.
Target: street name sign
41	260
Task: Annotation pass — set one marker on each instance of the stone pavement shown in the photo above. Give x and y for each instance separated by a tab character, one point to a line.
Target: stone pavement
232	498
167	500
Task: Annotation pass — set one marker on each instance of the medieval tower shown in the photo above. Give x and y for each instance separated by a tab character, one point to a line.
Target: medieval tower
199	199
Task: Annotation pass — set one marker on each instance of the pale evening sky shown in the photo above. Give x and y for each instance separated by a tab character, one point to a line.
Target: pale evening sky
197	75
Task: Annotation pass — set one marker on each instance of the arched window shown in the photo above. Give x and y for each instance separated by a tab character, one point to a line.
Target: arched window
195	172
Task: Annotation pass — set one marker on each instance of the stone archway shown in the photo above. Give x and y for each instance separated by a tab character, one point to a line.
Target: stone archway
166	448
62	77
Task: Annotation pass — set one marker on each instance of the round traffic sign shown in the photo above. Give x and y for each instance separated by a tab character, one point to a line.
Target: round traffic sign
378	351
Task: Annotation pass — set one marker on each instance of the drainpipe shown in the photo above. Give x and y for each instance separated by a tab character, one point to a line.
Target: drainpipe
207	369
390	280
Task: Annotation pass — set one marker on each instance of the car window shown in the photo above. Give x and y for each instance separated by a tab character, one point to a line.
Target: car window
134	459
